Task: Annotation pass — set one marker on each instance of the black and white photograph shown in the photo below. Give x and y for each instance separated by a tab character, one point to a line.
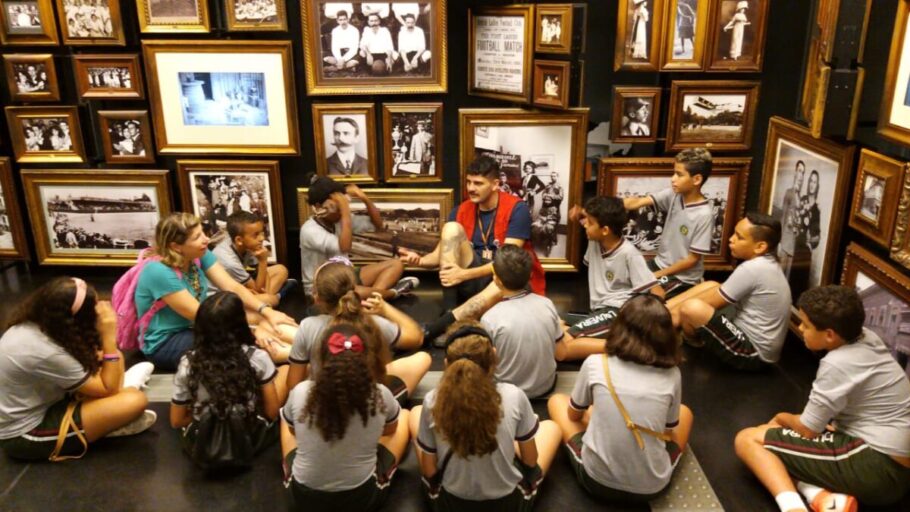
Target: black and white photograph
712	117
551	85
873	193
126	137
162	12
118	77
224	99
405	224
550	29
888	316
30	77
737	35
87	19
413	144
637	112
639	24
47	134
6	235
738	32
22	18
686	19
255	12
345	145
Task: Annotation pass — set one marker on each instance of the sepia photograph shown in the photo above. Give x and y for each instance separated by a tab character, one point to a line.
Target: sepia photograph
12	230
346	141
27	22
551	83
173	16
871	200
22	17
412	139
126	136
91	22
110	78
877	195
550	29
716	114
712	117
256	15
738	35
638	34
45	134
31	77
636	112
224	99
554	28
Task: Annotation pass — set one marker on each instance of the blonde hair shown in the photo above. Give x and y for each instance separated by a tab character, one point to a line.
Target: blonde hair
175	228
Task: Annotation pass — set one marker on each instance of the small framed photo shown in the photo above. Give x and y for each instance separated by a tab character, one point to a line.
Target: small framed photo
126	136
214	189
894	120
346	141
103	217
12	231
173	16
554	28
737	35
500	52
638	35
31	77
686	33
636	112
91	22
876	196
412	142
717	114
551	83
108	76
45	134
256	15
28	22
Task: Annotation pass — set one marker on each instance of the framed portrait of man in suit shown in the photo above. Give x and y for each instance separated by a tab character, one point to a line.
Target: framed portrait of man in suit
346	141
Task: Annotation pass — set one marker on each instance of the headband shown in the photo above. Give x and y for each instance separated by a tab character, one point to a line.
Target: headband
334	259
80	295
466	330
339	343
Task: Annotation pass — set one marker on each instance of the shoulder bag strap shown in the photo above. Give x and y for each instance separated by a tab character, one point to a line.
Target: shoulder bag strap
631	425
65	427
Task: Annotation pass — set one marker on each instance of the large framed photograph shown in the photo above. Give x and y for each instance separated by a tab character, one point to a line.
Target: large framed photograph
412	219
686	32
374	48
222	97
554	28
737	39
126	136
91	22
31	77
500	51
718	114
876	195
541	157
639	30
12	230
900	243
104	217
256	15
108	76
885	292
172	16
894	120
804	185
412	142
28	22
346	141
214	189
551	83
45	134
725	189
636	112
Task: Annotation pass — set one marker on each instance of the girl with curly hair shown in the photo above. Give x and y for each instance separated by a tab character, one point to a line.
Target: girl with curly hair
626	407
334	287
59	364
471	425
342	434
224	373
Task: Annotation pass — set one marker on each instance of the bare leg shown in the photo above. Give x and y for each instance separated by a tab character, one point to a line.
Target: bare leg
414	420
380	277
410	369
477	305
573	349
680	433
694	313
766	466
288	440
397	442
102	416
558	408
454	246
547	439
285	333
278	275
281	383
692	293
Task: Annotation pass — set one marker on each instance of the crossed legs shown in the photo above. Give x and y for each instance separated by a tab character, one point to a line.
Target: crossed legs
380	278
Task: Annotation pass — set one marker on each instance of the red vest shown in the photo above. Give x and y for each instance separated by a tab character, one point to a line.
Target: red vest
467	217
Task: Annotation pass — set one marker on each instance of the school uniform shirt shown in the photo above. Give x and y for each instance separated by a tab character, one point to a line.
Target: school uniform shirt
306	339
259	359
864	393
234	263
687	228
651	396
342	464
318	243
35	373
490	476
761	294
525	329
613	276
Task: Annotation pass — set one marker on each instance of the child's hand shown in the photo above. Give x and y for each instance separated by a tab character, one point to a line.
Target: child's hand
106	320
374	305
575	213
262	254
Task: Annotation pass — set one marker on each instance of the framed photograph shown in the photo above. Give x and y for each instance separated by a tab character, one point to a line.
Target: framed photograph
900	243
725	189
91	22
717	114
886	299
412	142
638	35
12	231
551	83
157	16
686	32
412	218
554	28
256	15
126	136
636	113
737	39
45	134
346	141
108	76
894	120
28	22
214	189
31	77
804	185
222	97
541	157
374	48
876	196
500	51
103	217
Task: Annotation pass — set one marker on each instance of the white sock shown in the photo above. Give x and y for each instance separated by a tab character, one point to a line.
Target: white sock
789	500
809	491
138	375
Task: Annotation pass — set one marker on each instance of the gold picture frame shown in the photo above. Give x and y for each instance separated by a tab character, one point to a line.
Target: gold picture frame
355	125
549	38
33	71
13	245
243	22
704	113
737	37
636	50
894	120
876	196
685	23
167	18
492	31
405	162
55	135
552	81
121	146
40	11
629	105
77	31
900	243
108	76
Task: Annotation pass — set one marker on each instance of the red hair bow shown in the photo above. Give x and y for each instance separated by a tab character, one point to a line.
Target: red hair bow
338	343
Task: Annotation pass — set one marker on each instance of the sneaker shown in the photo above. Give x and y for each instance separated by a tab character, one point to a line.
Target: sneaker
827	501
289	285
138	425
405	285
138	375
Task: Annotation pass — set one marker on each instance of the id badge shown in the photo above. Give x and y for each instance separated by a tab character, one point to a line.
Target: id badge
486	254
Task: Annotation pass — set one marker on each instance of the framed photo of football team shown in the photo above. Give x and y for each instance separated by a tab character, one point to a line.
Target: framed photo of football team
554	28
876	196
28	22
31	77
686	35
126	136
894	120
737	38
717	114
12	230
168	16
45	134
91	22
636	114
500	52
639	31
256	15
412	142
108	76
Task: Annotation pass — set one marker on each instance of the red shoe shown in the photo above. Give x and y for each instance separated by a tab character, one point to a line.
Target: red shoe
827	501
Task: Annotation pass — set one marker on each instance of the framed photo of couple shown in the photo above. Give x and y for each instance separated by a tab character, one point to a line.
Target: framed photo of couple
126	136
31	77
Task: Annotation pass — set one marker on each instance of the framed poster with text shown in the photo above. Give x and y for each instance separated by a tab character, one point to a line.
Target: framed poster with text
500	47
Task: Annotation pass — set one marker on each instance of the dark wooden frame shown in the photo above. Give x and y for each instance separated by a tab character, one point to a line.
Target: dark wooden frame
13	214
434	109
48	24
145	127
117	39
712	63
682	88
564	11
621	58
559	67
892	173
53	93
82	63
620	94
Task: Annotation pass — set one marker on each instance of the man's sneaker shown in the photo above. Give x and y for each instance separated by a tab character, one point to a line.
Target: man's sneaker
405	285
138	375
140	424
827	501
289	285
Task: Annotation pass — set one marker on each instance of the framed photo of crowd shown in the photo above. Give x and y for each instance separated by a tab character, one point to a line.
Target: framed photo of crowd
45	134
737	40
161	16
31	77
894	120
126	136
636	113
876	196
12	230
346	141
256	15
108	76
412	142
718	114
91	22
104	217
541	157
28	22
725	189
500	52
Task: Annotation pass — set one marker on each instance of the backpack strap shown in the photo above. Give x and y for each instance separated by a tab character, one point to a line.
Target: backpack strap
631	425
158	305
65	425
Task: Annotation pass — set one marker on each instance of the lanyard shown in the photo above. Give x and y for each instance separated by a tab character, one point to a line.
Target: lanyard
486	236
